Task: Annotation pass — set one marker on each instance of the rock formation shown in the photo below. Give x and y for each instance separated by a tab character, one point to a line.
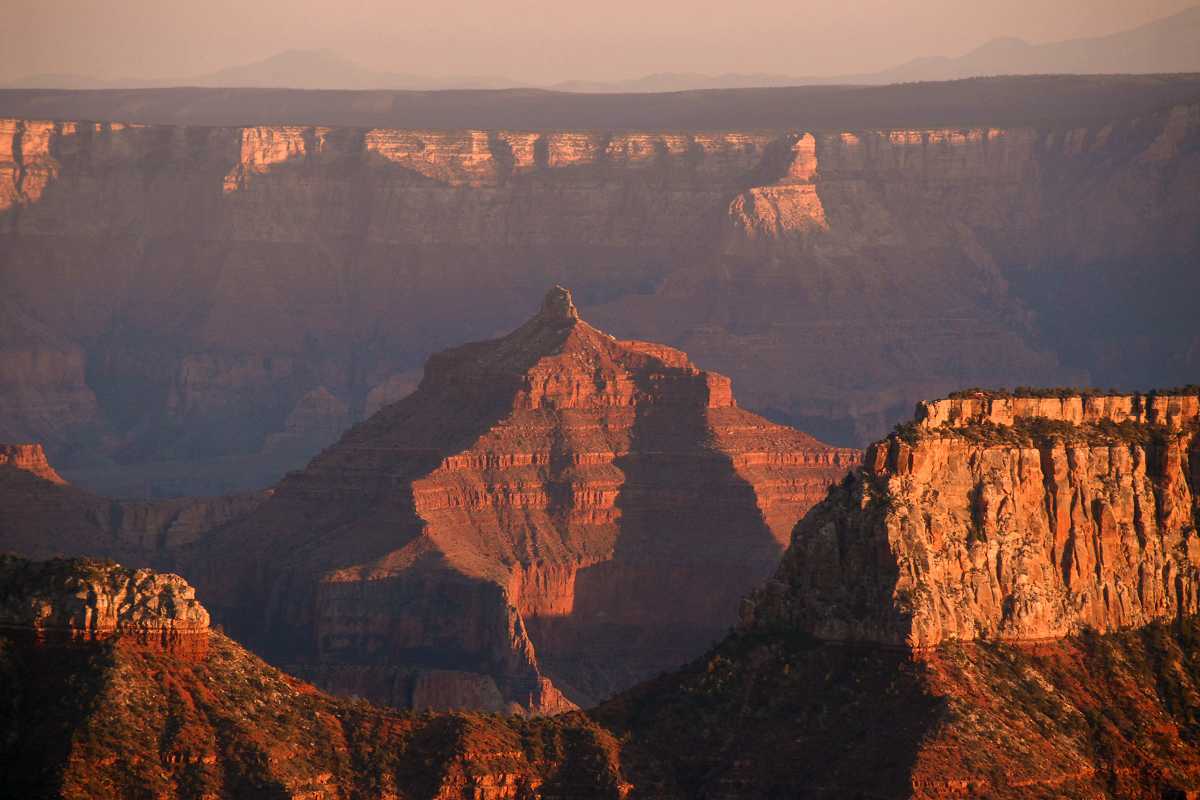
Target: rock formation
555	511
98	713
92	601
1011	518
1105	709
41	515
183	291
1001	603
31	458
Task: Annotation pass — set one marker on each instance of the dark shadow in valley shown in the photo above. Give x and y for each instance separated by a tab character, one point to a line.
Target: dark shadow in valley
777	714
692	543
40	719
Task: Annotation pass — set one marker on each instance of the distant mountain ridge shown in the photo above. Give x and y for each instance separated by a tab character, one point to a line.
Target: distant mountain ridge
1168	45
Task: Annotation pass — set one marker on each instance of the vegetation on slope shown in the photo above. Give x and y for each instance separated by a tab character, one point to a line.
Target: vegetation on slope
113	720
773	714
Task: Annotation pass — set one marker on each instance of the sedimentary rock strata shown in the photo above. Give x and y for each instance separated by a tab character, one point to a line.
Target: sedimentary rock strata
1001	603
73	601
836	274
552	513
1017	519
31	458
1107	710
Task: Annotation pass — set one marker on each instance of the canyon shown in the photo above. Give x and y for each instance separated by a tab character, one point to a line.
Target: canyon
192	305
135	693
1000	602
547	519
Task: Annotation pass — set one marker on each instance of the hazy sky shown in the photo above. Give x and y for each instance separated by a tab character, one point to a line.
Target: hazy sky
533	40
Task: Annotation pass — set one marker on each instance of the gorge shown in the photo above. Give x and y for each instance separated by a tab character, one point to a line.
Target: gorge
858	251
1000	602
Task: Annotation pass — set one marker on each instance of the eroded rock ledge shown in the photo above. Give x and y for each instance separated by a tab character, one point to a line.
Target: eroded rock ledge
1017	519
138	714
31	458
81	600
1174	410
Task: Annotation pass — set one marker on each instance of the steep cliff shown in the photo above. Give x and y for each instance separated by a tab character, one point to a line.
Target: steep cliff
30	458
1007	518
1001	603
555	511
188	289
86	715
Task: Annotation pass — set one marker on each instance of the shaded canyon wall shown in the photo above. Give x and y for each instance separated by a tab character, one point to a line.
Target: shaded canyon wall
195	309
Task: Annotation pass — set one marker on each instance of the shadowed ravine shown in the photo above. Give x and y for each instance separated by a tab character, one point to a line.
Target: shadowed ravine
670	584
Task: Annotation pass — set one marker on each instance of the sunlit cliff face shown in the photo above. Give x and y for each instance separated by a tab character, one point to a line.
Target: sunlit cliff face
1006	518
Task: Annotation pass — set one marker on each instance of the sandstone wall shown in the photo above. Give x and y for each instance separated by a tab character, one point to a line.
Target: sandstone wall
30	458
1173	411
963	532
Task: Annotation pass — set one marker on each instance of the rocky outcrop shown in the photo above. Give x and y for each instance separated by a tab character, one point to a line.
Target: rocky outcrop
772	713
76	601
31	458
837	274
108	716
1005	518
1001	603
555	512
966	409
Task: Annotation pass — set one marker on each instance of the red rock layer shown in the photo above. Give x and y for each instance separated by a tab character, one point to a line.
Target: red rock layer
1173	411
553	504
1001	603
1006	518
86	601
775	714
31	458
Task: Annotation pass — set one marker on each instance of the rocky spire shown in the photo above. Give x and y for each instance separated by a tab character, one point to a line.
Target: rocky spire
558	306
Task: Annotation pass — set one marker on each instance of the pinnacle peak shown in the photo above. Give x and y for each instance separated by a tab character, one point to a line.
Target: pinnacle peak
558	305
